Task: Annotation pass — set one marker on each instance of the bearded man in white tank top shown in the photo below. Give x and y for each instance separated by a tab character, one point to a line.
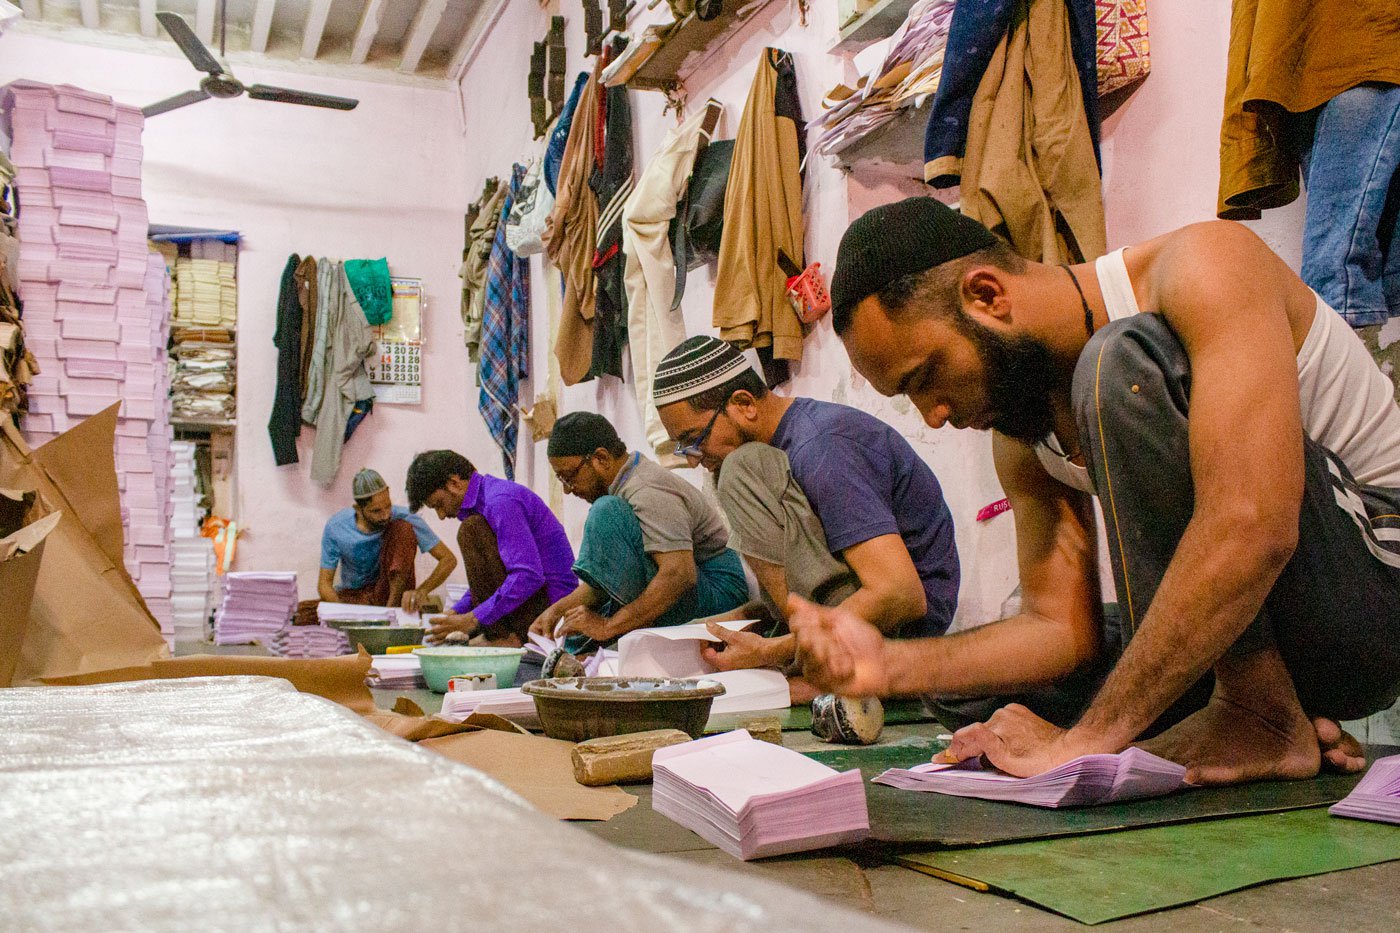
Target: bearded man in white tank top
1244	448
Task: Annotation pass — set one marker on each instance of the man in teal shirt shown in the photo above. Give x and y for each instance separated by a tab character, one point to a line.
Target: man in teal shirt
374	546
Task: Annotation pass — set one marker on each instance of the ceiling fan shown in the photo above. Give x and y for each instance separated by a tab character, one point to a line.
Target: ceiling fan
219	83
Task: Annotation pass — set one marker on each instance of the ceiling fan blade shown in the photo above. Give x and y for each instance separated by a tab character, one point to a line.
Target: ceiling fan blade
189	43
286	96
173	103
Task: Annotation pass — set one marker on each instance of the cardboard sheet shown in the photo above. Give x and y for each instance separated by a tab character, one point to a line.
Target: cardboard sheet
20	555
1118	875
341	679
86	615
910	818
536	768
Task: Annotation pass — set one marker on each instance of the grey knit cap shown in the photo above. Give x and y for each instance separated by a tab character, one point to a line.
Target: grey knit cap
366	483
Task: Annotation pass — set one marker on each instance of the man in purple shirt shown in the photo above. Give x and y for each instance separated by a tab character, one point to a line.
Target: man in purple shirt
517	558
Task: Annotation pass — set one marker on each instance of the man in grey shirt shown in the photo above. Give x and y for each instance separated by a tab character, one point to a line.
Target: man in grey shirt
655	551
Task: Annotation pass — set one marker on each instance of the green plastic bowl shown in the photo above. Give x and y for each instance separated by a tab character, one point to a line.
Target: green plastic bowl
443	662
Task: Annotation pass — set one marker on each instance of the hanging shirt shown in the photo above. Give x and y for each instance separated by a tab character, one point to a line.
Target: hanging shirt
532	544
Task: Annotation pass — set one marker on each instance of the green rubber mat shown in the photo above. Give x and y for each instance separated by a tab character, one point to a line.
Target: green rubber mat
799	718
1101	878
915	818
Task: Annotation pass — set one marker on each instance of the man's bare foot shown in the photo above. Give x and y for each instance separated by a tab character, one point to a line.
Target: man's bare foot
1226	743
1340	752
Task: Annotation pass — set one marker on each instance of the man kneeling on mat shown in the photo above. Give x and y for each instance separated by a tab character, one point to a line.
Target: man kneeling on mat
654	549
1245	449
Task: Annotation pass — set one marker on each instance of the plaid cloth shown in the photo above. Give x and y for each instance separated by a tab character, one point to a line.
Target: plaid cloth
505	339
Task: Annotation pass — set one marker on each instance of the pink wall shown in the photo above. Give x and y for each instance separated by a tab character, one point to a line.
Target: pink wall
382	180
1160	172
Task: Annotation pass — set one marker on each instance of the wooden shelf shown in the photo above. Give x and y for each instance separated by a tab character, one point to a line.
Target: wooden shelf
684	49
879	21
202	424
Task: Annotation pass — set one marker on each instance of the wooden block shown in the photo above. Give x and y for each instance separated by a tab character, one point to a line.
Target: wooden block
764	728
620	758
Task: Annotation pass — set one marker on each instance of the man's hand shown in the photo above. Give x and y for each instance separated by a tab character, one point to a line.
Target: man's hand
741	650
588	623
411	598
840	652
1017	741
452	622
545	623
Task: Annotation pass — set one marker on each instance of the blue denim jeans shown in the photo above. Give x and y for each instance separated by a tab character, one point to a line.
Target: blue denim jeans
1351	251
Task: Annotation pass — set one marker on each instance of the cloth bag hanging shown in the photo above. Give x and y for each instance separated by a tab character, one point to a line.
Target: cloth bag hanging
699	222
528	218
1123	47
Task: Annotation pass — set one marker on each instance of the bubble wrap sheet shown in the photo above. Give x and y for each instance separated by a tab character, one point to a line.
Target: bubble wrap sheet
236	803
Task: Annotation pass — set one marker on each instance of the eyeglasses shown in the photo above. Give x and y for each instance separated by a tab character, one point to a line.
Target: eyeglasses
693	448
568	480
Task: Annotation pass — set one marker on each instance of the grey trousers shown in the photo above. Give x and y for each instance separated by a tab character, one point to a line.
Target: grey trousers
1334	611
770	519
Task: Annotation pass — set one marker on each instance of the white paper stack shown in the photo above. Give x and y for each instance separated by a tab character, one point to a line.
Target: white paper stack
349	612
397	672
254	606
750	691
754	799
308	641
1085	781
1377	797
192	565
672	651
510	702
95	312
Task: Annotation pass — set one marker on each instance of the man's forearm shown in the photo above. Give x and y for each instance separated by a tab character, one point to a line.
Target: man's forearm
1022	651
437	577
327	593
1212	590
879	609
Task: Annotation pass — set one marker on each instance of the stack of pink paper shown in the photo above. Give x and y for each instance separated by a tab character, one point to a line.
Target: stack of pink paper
754	799
1377	797
1085	781
308	641
397	672
95	301
254	606
511	702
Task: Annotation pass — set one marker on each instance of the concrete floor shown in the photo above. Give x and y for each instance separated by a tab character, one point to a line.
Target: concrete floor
1363	899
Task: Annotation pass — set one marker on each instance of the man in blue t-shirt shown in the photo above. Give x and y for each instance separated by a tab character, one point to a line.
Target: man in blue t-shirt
824	501
374	545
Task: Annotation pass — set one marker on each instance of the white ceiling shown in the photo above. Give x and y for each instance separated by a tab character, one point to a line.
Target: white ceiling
424	38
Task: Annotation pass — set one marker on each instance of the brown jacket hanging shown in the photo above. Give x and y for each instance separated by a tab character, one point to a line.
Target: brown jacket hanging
570	239
762	215
1289	56
1030	172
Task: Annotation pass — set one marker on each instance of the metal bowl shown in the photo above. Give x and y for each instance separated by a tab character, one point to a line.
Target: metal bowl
581	708
376	639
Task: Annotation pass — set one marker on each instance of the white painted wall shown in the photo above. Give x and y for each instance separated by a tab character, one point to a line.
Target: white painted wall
382	180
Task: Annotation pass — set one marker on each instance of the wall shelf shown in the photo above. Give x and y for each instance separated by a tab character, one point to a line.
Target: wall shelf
202	424
879	21
685	48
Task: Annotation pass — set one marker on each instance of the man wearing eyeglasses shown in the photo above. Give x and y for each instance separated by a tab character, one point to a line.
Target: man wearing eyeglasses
824	501
655	551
